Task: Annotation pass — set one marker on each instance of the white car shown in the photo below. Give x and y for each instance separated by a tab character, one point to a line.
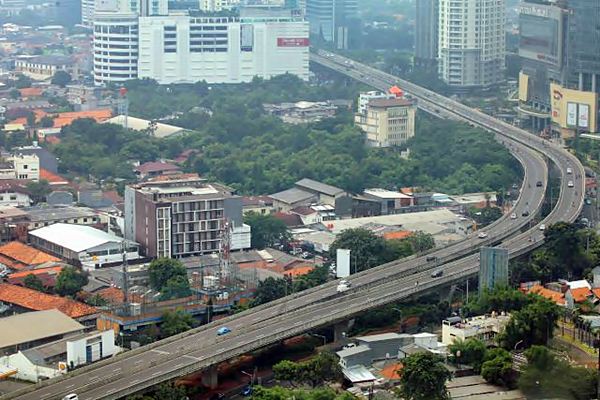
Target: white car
343	286
542	227
570	184
71	396
513	216
569	171
482	235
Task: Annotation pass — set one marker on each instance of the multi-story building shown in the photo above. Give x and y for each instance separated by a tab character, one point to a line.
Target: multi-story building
43	67
330	19
365	97
181	48
471	43
183	217
481	327
387	122
426	33
87	12
20	166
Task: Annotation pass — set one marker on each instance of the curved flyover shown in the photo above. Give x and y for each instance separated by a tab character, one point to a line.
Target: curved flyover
201	348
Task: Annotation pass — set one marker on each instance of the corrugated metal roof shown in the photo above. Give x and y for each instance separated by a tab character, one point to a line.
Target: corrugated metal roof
74	237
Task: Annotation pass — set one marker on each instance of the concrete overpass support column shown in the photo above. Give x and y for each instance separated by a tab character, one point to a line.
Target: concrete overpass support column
341	329
210	377
446	292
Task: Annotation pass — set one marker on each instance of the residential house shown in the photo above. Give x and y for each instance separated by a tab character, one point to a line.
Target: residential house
552	295
391	202
40	216
482	327
289	199
327	194
152	169
314	214
43	67
259	204
18	256
17	299
14	193
47	273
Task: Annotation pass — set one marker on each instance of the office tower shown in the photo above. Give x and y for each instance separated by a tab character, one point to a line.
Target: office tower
331	19
471	43
493	268
426	33
87	12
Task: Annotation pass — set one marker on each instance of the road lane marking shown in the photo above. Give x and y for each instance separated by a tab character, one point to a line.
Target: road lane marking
138	361
222	349
192	357
160	351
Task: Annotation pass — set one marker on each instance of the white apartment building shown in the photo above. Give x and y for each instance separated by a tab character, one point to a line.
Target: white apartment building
387	122
180	48
87	12
217	5
471	42
20	166
365	97
481	327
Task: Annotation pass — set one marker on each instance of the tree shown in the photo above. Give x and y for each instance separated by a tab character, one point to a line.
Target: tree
47	122
421	241
286	370
472	352
61	78
278	393
534	324
485	216
164	391
497	368
324	367
270	289
39	190
33	282
546	376
366	249
175	288
174	322
424	377
70	281
162	270
23	82
267	230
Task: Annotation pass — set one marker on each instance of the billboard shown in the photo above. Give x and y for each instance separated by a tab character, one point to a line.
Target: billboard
342	262
540	33
292	42
246	37
574	108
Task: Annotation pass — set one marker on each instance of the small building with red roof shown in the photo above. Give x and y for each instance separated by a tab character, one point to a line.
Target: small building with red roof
19	256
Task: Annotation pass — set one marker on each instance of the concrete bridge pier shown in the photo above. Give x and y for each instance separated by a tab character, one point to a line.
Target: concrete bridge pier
341	329
210	377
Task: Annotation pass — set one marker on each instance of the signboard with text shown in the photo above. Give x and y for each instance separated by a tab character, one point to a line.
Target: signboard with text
292	42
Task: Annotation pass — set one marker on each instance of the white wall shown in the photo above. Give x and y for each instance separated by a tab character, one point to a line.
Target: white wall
27	371
241	237
228	63
89	260
76	350
15	199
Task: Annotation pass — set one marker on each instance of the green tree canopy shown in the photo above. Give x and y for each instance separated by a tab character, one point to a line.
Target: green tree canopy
266	230
33	282
424	377
61	78
324	367
534	324
162	270
174	322
497	368
279	393
176	287
472	352
70	281
39	190
366	249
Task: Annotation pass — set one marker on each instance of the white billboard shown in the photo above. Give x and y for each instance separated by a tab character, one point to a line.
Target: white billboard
342	262
571	114
584	116
247	37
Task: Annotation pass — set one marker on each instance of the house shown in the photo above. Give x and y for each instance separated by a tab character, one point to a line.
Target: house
40	216
83	245
290	220
289	199
43	67
20	300
326	194
23	331
482	327
155	168
259	204
552	295
19	256
391	201
53	359
47	275
314	214
14	193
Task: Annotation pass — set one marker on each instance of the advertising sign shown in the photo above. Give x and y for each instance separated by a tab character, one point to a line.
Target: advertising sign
342	263
292	42
584	116
571	114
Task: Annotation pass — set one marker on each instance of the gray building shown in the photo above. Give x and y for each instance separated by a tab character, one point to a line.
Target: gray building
493	268
372	348
47	160
331	19
426	33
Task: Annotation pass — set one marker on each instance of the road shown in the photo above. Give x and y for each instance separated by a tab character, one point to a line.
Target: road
321	306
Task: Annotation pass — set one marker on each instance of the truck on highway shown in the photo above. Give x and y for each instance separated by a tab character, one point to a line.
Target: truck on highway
343	286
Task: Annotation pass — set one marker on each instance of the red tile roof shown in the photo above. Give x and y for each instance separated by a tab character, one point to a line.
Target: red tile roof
67	118
18	256
580	294
392	371
112	295
397	235
38	301
303	210
299	271
289	220
46	275
52	178
31	92
557	297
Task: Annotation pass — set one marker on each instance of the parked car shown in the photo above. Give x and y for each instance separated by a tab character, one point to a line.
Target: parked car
247	391
223	331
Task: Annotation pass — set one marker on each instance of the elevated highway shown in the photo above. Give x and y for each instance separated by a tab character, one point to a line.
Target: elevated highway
201	349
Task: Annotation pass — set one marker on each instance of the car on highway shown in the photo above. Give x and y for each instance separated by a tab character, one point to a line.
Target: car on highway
539	184
525	213
513	216
223	331
569	171
71	396
482	235
570	184
247	391
431	258
542	227
343	286
588	202
350	346
437	274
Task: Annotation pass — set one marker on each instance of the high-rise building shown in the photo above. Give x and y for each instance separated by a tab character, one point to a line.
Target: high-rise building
387	122
493	268
331	19
183	216
87	12
426	33
542	32
471	43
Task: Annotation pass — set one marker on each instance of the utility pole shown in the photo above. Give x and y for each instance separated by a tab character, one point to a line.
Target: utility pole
125	277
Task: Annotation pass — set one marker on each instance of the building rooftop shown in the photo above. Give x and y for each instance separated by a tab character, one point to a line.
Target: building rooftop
17	255
74	237
358	373
382	336
156	166
138	124
319	187
383	102
386	194
31	326
293	195
257	201
38	301
48	60
353	350
54	213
